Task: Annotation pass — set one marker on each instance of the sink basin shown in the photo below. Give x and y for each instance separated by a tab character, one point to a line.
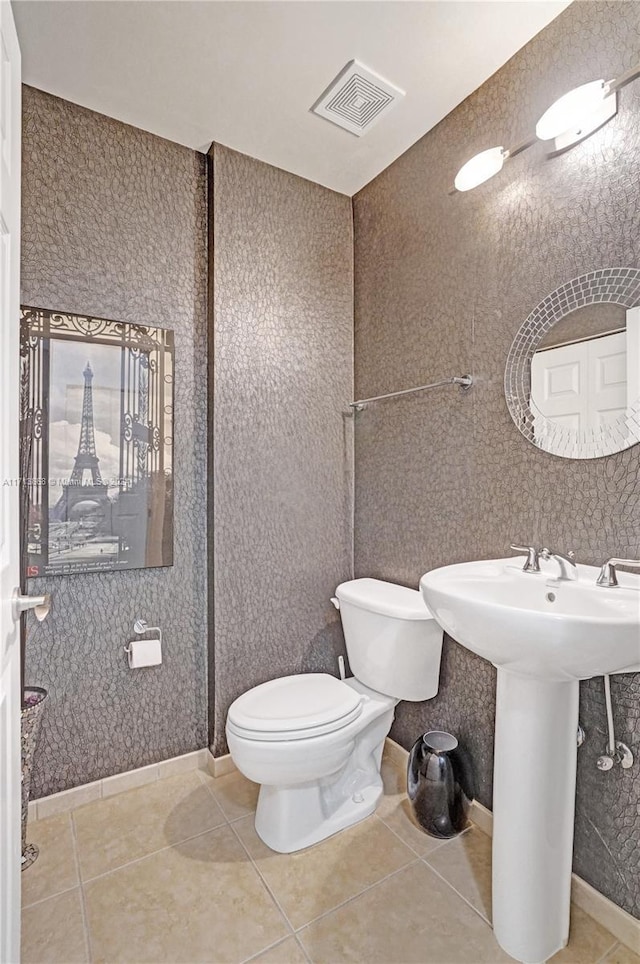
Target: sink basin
536	624
543	634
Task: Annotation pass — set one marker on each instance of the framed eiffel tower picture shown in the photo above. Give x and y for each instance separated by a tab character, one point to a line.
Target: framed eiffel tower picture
96	444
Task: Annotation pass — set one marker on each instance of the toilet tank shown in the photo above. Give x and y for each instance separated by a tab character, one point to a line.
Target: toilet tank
393	642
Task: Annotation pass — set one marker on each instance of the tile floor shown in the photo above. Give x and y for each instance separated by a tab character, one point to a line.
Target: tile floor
175	872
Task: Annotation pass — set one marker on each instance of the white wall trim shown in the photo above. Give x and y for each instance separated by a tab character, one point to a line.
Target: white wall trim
622	925
220	765
108	786
482	817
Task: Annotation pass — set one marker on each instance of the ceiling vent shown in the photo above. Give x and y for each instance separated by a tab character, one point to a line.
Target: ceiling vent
357	99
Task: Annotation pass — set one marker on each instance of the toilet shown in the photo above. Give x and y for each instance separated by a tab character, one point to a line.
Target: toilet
314	742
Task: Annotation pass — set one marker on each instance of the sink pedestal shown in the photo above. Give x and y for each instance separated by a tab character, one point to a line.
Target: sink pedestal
534	790
543	634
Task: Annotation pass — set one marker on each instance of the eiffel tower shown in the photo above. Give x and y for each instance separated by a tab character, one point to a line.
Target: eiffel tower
86	461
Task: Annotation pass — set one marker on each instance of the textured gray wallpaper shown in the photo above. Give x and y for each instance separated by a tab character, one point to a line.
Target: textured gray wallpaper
114	224
282	378
442	285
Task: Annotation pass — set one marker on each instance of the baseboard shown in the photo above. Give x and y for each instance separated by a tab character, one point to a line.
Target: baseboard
221	765
621	924
119	783
482	817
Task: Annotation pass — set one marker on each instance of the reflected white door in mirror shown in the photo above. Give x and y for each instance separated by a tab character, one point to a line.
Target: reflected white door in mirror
572	379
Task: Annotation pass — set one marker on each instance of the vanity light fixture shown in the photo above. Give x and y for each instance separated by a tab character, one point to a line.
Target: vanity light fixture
480	168
574	116
581	111
484	165
577	114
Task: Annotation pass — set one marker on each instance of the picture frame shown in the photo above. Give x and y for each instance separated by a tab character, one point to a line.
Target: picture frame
96	444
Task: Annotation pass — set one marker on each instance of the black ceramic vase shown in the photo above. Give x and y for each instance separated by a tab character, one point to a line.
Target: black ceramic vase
440	784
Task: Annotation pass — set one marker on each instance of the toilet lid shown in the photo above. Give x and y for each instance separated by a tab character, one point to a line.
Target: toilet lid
309	702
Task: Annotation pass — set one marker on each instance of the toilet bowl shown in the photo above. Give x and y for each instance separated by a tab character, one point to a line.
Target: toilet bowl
313	742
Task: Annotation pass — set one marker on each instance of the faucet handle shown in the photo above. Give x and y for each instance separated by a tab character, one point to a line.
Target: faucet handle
608	575
533	561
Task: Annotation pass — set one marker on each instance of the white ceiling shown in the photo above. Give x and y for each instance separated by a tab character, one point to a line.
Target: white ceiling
245	74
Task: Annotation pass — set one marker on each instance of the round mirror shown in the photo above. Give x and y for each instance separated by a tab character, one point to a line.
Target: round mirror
572	380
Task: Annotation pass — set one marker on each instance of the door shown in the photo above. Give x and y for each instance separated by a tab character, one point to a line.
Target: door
558	384
608	379
10	697
633	363
583	385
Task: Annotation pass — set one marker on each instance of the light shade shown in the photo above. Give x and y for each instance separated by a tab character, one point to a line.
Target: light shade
479	169
571	110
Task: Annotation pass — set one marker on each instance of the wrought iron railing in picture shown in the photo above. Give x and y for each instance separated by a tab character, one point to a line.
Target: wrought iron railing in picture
122	414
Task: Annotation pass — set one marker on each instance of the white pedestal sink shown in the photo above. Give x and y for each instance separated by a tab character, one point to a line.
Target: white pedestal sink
543	635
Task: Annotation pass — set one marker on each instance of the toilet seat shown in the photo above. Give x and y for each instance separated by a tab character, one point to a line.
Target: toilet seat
294	708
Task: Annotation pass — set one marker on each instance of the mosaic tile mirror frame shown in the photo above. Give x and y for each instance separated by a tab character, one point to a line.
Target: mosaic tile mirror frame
572	378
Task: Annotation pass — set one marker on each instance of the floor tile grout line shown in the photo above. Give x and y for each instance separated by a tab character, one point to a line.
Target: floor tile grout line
243	816
438	846
263	879
457	892
396	834
625	947
601	960
212	793
278	943
616	943
302	948
365	890
415	859
207	784
224	822
83	905
270	947
425	859
43	900
152	853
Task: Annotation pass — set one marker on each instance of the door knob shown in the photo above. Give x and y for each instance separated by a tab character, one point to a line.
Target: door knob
40	605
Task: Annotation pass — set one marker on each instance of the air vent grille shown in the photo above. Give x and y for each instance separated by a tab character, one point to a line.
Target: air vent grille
357	98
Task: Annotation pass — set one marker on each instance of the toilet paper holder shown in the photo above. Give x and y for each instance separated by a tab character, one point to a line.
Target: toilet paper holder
141	626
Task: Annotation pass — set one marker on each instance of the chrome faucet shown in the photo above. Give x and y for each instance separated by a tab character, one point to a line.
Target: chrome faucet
534	555
608	575
562	561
